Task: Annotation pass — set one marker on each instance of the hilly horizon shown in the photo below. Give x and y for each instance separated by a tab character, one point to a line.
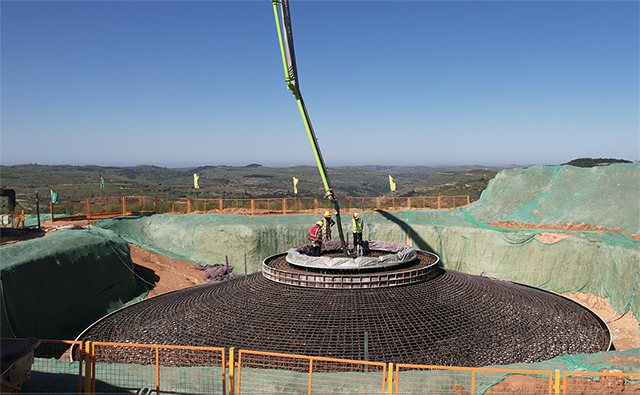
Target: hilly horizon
246	182
233	182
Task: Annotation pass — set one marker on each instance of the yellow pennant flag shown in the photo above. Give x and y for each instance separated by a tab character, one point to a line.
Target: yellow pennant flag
392	184
295	185
195	181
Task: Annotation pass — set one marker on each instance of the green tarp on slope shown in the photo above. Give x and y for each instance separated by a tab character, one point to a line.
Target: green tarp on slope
606	265
605	195
55	286
208	238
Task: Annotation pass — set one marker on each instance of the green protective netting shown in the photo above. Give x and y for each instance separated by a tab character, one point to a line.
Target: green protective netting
443	381
599	263
606	195
55	286
212	238
32	219
613	361
49	375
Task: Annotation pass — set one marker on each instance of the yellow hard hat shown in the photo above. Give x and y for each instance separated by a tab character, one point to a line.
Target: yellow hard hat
355	215
319	223
327	214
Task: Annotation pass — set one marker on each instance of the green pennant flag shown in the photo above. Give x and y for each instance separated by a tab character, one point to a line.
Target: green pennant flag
101	183
54	197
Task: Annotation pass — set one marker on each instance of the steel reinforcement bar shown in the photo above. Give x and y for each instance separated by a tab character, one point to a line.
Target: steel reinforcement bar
275	268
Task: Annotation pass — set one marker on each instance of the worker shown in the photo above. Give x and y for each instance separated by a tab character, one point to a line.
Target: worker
315	237
326	229
357	231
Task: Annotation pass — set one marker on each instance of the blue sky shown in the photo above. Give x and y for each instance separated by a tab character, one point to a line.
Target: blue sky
177	83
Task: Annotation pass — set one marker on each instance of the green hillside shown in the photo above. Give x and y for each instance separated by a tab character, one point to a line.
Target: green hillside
591	162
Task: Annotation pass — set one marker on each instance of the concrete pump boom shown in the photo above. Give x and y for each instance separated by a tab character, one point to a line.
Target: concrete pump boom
285	35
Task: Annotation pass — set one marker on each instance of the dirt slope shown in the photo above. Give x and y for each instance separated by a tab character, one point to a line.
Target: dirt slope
163	274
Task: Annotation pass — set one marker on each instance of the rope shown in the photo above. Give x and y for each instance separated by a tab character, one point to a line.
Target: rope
109	243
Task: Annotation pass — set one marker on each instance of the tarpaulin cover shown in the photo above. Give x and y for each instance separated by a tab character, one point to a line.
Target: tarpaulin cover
55	286
602	195
397	253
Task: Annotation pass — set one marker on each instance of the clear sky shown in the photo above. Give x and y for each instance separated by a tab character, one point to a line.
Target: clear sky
178	83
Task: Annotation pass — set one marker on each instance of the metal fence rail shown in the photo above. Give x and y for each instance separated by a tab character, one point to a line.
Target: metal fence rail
103	207
142	367
272	373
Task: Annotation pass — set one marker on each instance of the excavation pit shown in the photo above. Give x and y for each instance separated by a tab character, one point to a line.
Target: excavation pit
411	312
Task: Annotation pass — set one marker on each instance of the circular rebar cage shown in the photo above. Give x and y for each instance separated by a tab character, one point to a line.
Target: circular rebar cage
448	318
278	268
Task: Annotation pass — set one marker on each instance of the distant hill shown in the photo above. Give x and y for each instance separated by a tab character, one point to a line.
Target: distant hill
252	181
590	162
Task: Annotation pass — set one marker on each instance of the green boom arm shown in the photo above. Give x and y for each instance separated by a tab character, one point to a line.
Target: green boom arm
285	35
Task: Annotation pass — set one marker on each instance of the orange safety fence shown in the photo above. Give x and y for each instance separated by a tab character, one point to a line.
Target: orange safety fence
272	373
102	207
426	379
586	383
421	202
90	367
143	368
13	220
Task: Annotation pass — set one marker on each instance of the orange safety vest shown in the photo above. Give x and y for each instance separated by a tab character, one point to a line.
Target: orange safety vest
314	234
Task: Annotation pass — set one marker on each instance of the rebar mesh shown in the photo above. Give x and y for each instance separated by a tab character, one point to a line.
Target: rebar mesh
424	267
452	319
